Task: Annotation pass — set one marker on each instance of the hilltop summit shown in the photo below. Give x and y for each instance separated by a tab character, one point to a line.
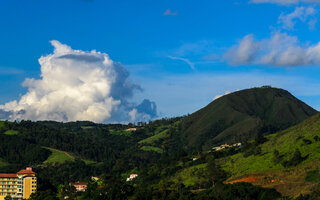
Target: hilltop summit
243	115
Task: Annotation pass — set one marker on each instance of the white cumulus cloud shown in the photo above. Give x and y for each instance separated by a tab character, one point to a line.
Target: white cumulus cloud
279	50
76	85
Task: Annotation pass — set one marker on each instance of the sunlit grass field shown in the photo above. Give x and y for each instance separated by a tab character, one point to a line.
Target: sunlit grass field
58	156
302	137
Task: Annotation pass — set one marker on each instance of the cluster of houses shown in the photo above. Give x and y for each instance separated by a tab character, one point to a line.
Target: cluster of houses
82	186
225	146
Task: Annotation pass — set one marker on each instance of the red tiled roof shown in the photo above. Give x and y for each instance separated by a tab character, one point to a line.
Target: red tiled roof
79	183
24	171
8	175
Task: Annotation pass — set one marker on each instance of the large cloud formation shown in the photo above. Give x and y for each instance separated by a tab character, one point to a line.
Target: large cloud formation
79	85
279	50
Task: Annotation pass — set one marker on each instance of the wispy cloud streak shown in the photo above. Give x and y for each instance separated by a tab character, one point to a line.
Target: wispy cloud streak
191	64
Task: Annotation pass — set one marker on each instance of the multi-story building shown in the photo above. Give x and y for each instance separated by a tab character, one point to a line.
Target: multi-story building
19	186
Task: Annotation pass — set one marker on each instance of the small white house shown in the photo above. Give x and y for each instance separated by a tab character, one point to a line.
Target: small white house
131	177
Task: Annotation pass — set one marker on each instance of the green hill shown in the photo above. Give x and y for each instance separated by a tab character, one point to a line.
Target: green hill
277	159
303	137
243	115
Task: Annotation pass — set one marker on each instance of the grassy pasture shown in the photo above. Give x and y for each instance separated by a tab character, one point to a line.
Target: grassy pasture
58	156
11	132
151	148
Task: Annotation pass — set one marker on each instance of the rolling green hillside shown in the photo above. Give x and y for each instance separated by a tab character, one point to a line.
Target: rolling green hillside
305	137
243	115
272	161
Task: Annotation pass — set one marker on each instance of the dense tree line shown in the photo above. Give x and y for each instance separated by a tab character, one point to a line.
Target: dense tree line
117	190
21	151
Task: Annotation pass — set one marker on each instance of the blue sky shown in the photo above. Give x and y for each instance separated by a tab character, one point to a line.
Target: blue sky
181	53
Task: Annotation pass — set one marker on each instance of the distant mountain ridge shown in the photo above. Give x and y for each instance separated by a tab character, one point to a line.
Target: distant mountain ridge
244	115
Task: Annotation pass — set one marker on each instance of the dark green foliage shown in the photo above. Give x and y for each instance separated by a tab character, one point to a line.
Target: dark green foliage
8	198
216	174
253	148
260	139
298	138
244	115
112	189
164	191
257	151
277	158
313	176
95	143
316	138
248	148
306	141
44	195
64	173
20	151
67	190
238	191
295	160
